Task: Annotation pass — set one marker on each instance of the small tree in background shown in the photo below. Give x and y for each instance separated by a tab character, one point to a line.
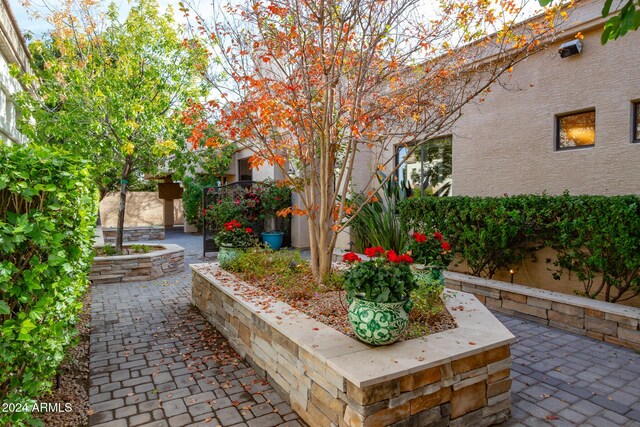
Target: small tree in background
310	85
110	90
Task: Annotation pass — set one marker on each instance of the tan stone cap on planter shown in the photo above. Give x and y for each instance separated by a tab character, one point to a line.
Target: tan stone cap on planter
169	248
363	365
576	300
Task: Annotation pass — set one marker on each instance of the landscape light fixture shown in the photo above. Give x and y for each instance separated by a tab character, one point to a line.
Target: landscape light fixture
571	48
512	272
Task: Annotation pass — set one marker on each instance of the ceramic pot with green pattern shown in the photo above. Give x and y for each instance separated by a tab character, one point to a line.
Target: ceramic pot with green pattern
228	254
379	323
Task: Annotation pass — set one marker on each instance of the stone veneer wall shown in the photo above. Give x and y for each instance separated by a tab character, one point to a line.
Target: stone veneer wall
459	377
605	321
138	267
134	234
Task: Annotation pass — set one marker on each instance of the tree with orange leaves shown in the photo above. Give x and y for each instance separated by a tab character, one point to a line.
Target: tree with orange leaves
317	88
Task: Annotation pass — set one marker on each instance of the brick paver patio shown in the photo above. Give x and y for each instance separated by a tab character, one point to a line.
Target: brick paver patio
155	361
563	379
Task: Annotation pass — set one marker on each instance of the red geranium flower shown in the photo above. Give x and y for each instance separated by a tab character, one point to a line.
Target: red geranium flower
351	257
405	258
420	238
231	225
446	246
438	236
248	230
373	251
392	255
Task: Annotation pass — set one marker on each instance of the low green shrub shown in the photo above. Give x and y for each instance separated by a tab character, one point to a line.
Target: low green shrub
109	250
284	270
597	237
48	207
141	249
426	296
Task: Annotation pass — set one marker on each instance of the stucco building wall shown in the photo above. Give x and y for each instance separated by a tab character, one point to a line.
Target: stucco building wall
143	209
506	144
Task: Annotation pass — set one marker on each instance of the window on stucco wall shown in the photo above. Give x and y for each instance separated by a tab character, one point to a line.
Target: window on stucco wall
244	171
576	130
636	123
426	170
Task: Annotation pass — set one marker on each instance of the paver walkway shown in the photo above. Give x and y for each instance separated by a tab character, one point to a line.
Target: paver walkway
155	361
562	379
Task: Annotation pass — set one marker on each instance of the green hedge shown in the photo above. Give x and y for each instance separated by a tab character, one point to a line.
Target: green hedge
597	237
48	207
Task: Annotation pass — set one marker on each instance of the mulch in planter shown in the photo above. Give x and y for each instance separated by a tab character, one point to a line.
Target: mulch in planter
328	305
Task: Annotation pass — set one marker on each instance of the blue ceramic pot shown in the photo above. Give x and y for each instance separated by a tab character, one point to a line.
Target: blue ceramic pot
273	239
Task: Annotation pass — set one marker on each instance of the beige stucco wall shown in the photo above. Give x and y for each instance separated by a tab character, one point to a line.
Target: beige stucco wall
506	144
266	171
143	208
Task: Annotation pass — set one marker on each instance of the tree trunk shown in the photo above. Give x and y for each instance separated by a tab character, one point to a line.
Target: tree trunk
321	250
126	170
313	246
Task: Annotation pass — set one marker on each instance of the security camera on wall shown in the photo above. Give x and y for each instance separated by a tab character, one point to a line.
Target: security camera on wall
571	48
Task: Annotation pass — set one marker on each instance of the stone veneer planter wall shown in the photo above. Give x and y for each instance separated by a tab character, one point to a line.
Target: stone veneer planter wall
138	267
134	234
459	377
614	323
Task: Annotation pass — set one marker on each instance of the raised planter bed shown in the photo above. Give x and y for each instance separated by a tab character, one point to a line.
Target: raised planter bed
614	323
138	267
134	234
458	377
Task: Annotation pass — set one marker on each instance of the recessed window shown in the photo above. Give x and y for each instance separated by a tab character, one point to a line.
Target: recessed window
636	122
576	130
245	173
426	169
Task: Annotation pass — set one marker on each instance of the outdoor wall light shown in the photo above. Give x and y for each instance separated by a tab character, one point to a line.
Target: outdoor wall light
571	48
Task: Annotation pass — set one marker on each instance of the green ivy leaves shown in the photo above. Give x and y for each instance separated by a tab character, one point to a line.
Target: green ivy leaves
47	215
